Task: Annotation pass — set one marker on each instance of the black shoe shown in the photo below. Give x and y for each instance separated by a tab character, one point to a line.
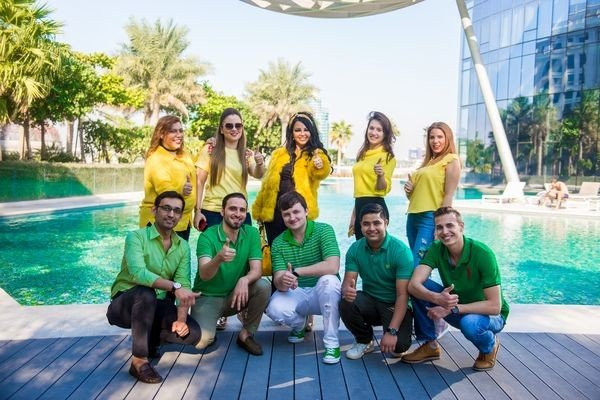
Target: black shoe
146	373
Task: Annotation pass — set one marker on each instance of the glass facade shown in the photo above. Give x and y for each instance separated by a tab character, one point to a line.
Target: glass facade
543	62
321	115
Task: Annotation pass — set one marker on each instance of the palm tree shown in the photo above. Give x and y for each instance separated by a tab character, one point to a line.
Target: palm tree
543	122
29	56
279	92
340	135
153	61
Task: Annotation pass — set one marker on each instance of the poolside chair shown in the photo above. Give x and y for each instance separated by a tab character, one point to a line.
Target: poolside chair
513	191
587	191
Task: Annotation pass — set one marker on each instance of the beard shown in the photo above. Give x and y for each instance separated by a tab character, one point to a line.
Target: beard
233	224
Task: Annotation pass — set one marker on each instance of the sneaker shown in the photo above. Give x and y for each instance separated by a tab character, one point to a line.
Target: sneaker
424	353
332	355
296	336
359	349
441	328
485	362
222	323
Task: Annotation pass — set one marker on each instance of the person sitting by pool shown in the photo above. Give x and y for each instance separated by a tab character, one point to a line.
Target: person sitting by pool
558	191
155	272
229	275
306	260
385	265
471	298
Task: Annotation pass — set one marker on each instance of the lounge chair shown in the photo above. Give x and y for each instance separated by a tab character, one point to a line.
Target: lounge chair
588	191
513	191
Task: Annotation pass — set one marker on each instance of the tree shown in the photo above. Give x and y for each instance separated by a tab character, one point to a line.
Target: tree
340	135
153	61
279	92
543	122
29	57
517	121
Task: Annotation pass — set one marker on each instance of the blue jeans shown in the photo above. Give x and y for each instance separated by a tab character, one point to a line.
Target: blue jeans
477	328
419	230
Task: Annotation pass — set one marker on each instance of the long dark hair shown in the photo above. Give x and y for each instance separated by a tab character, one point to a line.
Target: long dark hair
388	136
217	157
314	141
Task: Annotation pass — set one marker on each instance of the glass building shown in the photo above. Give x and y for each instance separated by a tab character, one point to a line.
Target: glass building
543	61
321	115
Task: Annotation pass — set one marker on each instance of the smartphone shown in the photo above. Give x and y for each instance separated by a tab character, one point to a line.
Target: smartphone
202	226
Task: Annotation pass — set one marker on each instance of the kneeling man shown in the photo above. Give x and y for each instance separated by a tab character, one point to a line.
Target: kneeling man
154	272
385	265
229	275
471	299
306	260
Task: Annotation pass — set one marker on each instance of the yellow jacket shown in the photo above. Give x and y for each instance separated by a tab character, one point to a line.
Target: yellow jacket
306	180
164	171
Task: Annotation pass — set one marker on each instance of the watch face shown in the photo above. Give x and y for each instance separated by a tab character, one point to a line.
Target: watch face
176	285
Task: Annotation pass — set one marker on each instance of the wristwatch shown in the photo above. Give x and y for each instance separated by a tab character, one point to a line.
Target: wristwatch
392	331
176	285
454	310
295	273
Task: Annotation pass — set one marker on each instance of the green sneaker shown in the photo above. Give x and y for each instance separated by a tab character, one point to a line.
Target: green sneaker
332	355
296	336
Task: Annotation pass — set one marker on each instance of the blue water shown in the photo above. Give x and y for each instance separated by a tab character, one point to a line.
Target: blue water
73	256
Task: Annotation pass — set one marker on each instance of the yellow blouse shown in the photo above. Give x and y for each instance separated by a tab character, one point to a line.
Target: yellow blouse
165	171
428	186
365	178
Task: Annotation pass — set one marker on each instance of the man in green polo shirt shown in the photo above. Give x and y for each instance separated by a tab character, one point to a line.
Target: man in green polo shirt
471	298
306	260
155	270
229	275
385	266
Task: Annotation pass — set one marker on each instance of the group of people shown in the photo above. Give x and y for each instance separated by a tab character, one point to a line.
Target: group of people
153	294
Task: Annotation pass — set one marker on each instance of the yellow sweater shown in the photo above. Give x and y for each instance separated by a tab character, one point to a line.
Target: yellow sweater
365	178
164	171
306	180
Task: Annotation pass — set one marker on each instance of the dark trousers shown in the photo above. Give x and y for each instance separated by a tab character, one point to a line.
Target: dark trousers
149	319
365	312
359	203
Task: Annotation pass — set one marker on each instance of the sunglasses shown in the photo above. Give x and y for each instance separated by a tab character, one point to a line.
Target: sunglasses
168	209
229	126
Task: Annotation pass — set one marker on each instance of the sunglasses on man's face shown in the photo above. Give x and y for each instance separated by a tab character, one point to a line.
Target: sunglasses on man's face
229	126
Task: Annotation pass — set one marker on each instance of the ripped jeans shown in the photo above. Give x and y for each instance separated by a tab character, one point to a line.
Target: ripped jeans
419	231
290	308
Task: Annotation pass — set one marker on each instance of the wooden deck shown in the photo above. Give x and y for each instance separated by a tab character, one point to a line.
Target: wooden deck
531	366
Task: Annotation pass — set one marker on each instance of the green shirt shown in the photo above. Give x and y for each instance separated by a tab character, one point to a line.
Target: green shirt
247	247
476	270
319	244
146	260
380	269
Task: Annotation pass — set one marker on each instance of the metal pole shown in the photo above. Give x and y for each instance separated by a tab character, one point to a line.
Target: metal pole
508	164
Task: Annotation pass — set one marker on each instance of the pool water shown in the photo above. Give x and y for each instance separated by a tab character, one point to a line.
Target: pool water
73	256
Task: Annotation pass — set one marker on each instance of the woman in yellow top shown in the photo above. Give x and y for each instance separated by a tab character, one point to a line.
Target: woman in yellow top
431	187
169	167
300	165
374	167
224	169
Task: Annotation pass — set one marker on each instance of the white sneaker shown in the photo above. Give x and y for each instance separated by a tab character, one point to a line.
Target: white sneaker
441	328
359	349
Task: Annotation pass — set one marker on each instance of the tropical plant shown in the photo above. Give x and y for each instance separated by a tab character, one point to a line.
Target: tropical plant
543	122
153	60
340	135
279	92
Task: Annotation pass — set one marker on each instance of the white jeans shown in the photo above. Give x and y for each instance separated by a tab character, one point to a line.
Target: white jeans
291	307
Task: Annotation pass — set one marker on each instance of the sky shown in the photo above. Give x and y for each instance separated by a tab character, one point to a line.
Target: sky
403	63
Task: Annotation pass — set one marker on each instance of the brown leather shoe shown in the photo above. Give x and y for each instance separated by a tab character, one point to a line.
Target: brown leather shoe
485	362
250	345
146	373
424	353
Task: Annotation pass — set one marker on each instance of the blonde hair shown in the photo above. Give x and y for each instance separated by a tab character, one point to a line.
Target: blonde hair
449	148
162	127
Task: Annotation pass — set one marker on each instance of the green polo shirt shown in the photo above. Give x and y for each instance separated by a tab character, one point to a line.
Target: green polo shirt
476	270
146	260
380	269
247	247
319	244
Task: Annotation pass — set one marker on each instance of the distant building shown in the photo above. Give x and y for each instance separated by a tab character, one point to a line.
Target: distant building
321	115
416	154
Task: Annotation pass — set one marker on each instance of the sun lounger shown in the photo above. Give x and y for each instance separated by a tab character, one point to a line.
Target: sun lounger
587	191
513	191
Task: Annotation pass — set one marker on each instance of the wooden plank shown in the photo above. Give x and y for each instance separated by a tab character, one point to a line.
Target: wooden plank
12	347
4	342
101	376
408	381
431	379
576	348
333	386
587	343
178	379
501	376
595	338
550	378
281	377
306	369
203	381
42	381
357	379
581	383
32	367
20	356
229	382
382	381
256	378
67	383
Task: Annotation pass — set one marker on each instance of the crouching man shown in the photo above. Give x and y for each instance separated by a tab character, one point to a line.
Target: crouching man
155	274
306	260
471	299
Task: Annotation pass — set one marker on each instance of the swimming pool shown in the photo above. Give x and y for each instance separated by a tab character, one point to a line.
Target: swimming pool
73	256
